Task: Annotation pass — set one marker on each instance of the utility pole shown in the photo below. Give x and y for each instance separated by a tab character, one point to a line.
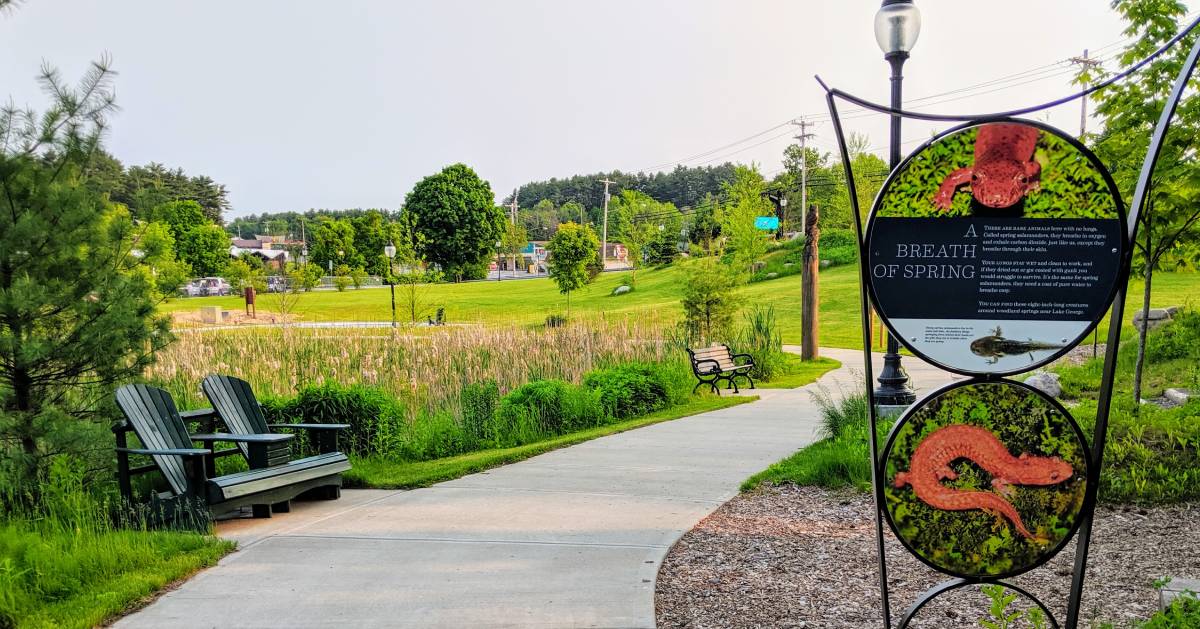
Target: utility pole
1087	65
604	240
803	137
512	213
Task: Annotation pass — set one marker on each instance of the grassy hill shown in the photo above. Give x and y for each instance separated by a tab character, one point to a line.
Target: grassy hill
527	302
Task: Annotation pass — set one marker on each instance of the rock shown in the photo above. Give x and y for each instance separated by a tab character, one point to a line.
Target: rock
1178	396
826	263
1176	588
772	275
621	290
1046	382
1156	317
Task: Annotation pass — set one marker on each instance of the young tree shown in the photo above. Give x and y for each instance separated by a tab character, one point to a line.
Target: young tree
333	241
76	314
514	241
455	214
571	248
710	300
243	272
744	203
1130	109
636	226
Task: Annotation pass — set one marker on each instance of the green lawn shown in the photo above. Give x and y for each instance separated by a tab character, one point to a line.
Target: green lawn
525	302
386	474
797	373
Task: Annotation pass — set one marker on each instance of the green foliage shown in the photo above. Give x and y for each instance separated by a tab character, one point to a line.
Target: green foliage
1024	423
144	189
555	320
376	420
842	461
333	241
744	243
358	277
760	338
648	229
1000	616
66	561
682	187
572	247
205	248
838	415
631	389
160	265
1178	339
240	274
544	408
78	309
709	301
180	216
454	212
304	276
479	401
1184	612
1071	187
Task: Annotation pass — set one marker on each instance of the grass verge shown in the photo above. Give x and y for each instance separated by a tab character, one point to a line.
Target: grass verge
82	577
387	474
797	373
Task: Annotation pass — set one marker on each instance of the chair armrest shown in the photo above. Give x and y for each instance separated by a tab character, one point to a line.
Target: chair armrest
175	451
716	366
311	426
746	356
221	436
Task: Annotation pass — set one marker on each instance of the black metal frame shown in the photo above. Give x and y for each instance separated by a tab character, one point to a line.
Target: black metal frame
1095	454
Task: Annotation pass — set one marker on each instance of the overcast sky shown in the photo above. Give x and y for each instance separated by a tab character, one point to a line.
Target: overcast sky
301	104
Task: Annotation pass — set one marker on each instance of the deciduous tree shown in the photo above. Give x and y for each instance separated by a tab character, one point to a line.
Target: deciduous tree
572	247
454	212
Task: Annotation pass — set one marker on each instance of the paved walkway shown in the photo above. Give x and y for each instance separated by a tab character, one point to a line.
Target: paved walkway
571	538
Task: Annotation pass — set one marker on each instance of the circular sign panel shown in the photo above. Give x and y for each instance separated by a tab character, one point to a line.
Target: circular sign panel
984	479
995	247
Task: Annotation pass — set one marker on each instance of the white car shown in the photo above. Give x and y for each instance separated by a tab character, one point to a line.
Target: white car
206	286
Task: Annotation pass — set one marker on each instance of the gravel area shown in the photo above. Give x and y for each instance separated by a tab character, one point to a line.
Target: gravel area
805	557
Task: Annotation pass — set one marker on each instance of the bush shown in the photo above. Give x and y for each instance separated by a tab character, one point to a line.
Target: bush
837	415
377	421
630	390
762	340
555	320
1183	612
541	409
1178	339
478	401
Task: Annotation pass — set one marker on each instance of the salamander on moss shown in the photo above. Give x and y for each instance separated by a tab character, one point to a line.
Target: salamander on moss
1004	169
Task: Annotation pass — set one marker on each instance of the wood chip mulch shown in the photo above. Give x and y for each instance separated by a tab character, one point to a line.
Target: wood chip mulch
791	556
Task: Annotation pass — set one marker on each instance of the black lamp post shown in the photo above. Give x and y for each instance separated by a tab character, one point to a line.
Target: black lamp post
390	252
897	25
498	245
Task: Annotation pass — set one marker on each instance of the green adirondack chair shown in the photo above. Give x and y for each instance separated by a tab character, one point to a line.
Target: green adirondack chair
151	414
234	402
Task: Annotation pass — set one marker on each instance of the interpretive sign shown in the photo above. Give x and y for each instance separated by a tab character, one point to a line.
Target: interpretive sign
996	247
985	479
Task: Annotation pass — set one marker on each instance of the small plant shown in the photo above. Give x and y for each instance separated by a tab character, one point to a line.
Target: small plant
999	616
762	340
839	414
629	390
479	400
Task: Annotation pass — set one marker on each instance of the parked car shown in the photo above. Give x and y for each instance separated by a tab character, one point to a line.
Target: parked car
206	286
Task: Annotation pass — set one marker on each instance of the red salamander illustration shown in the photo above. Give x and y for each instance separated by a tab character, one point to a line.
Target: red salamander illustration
931	464
1004	169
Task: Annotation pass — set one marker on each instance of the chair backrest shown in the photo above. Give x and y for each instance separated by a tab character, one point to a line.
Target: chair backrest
233	399
719	353
155	420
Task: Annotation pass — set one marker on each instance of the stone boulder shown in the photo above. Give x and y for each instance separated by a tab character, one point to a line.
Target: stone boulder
1047	383
1156	316
1178	396
621	290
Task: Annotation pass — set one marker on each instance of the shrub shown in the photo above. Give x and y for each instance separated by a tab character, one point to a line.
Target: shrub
762	340
478	401
555	320
629	390
1184	611
377	421
544	408
1178	339
837	415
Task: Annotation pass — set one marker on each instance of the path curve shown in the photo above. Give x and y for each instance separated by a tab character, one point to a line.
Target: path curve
570	538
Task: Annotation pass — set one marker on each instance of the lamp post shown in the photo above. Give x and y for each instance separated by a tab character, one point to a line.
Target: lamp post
498	245
390	252
897	25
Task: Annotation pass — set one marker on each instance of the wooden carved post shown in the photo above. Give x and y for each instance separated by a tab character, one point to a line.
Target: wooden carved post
808	287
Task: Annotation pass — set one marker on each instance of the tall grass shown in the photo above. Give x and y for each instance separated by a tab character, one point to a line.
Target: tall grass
69	562
427	370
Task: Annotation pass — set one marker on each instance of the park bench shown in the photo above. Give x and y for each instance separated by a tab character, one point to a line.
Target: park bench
234	402
190	471
716	364
439	318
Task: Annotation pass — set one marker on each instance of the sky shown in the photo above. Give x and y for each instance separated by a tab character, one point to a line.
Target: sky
301	104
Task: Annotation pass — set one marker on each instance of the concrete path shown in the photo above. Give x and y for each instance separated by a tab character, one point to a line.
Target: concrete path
571	538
